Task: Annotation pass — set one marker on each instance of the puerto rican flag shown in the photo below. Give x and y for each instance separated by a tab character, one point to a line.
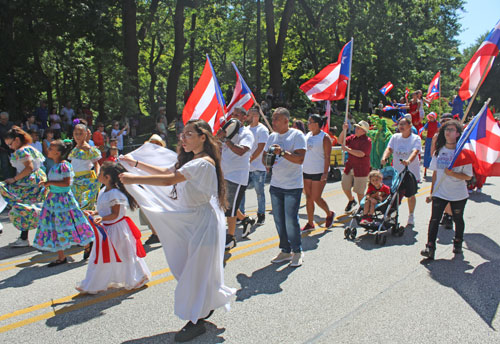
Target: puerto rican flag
242	95
331	82
478	64
479	145
407	93
433	90
206	101
386	88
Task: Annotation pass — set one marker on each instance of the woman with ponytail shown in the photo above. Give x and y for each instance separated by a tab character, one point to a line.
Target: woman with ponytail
62	224
190	222
117	257
315	170
23	191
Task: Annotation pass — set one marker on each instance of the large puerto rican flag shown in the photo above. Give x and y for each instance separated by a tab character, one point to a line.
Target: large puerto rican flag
242	95
206	101
478	64
331	82
479	145
386	88
433	90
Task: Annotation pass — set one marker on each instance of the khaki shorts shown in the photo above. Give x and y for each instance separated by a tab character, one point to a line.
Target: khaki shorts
357	184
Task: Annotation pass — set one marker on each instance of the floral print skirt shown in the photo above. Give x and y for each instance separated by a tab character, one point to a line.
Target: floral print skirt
25	190
62	224
86	188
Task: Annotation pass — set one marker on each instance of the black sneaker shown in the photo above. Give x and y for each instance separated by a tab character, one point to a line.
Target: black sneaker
230	242
428	252
260	219
153	239
247	223
350	206
190	331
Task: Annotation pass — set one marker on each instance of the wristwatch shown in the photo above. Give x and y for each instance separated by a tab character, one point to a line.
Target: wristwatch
282	153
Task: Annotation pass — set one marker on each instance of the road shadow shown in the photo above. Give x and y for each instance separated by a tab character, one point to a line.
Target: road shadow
84	307
213	335
311	241
7	251
366	240
482	198
266	280
478	286
27	275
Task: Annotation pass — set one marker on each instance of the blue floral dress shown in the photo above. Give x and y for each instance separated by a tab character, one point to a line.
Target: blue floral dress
62	224
85	185
25	195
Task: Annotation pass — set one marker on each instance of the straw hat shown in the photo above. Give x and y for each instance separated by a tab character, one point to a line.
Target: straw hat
363	125
155	138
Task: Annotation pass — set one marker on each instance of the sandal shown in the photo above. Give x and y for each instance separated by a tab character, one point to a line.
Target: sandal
87	250
57	262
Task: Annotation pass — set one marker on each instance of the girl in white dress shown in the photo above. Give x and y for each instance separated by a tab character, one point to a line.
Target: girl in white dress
116	259
190	222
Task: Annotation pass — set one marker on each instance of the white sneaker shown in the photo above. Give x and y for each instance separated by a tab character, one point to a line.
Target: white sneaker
20	243
282	257
297	259
411	220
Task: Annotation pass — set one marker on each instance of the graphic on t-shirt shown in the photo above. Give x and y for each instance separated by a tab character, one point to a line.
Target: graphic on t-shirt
444	160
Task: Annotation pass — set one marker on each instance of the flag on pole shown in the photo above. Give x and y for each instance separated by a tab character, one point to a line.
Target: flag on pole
242	95
331	82
206	101
433	90
326	126
479	145
386	88
407	93
478	64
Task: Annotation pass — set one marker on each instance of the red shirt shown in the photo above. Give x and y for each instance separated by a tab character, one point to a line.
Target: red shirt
432	129
383	192
98	138
360	166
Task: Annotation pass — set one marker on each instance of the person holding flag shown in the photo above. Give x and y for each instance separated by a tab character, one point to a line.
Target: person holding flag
451	188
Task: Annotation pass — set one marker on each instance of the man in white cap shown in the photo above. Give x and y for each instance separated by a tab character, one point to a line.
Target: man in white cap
357	166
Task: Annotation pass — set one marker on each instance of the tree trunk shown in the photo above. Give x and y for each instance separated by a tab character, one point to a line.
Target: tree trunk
275	48
153	61
191	52
100	90
130	52
258	62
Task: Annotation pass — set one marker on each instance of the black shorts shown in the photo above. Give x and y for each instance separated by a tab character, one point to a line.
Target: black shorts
315	177
234	194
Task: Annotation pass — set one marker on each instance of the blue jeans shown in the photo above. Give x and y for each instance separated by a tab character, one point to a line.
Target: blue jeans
286	204
257	179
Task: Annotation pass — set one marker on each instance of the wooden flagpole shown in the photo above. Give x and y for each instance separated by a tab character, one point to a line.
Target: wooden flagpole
440	106
477	89
348	90
262	113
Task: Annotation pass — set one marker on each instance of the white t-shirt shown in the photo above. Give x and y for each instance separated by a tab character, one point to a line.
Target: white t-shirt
402	149
119	139
68	113
451	188
234	166
260	135
314	160
286	174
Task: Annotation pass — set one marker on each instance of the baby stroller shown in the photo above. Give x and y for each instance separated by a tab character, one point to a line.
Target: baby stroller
386	216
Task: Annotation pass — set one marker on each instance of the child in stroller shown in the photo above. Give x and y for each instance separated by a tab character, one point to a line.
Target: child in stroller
377	192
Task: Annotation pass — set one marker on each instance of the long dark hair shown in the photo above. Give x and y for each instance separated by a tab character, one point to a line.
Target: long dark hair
212	148
64	147
113	170
441	139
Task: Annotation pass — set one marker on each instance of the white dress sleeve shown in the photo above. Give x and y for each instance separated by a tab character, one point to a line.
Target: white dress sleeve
115	197
201	174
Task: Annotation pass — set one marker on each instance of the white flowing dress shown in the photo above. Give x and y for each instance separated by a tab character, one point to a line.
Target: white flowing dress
132	272
191	229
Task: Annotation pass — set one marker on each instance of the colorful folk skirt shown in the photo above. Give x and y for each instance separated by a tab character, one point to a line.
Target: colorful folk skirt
25	190
86	188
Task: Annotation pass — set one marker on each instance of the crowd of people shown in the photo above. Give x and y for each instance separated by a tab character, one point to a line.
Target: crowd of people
72	194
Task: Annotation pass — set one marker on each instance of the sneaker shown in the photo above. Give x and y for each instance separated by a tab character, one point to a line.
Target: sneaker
411	220
307	228
329	219
447	221
20	243
428	252
479	190
230	242
190	331
247	223
297	259
366	220
260	219
282	257
153	239
457	246
350	206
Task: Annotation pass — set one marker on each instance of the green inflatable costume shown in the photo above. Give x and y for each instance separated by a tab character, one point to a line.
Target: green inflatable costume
380	136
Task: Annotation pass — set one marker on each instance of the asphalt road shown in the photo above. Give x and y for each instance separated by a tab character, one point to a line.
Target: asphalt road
346	291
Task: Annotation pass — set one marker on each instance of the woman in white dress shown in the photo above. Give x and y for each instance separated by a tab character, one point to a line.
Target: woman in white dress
116	260
190	221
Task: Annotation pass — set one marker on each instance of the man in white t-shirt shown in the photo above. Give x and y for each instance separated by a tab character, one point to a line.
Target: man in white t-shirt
67	114
289	147
257	175
117	133
235	163
405	147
